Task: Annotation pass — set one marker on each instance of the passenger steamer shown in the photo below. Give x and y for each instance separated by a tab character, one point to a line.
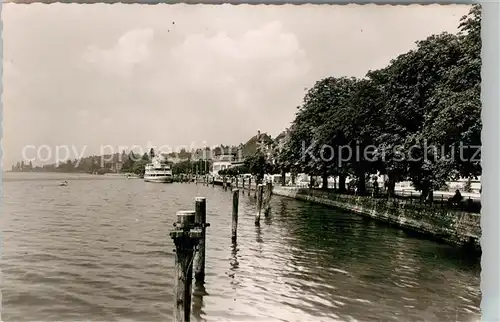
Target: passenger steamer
158	171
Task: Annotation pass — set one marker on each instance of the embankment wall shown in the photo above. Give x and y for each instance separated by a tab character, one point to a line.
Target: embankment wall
459	228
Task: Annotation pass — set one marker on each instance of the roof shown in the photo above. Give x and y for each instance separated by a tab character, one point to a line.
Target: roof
224	150
281	136
224	158
250	148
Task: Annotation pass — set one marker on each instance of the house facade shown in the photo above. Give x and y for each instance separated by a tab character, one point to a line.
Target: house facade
222	162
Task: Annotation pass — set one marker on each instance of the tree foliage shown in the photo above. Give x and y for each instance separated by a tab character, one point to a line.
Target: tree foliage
408	120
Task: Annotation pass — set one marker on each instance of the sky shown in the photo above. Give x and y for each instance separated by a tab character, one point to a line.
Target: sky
86	79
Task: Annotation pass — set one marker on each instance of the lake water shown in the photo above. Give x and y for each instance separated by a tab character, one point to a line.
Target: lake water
99	250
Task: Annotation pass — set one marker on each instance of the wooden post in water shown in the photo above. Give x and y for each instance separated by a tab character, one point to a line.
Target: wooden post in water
236	182
249	185
185	237
243	185
256	188
201	222
234	227
224	182
260	189
267	199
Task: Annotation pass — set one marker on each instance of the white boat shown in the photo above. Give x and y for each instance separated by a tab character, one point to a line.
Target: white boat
158	171
63	183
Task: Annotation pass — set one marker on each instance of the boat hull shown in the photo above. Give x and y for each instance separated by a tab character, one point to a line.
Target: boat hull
159	179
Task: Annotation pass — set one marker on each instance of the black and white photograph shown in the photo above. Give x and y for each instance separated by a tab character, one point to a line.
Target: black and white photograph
178	162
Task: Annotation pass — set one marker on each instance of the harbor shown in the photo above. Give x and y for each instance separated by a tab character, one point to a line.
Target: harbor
105	254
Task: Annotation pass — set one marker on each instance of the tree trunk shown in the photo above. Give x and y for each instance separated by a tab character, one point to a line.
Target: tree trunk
325	181
342	179
293	178
430	195
424	193
311	181
391	185
283	177
361	182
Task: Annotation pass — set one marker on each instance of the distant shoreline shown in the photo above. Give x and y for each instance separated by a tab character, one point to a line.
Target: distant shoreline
68	173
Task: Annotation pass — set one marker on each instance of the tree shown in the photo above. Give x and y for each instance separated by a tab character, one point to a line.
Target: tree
426	101
139	167
183	167
457	120
258	165
128	162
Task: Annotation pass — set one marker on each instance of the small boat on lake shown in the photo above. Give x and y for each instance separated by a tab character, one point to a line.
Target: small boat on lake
63	183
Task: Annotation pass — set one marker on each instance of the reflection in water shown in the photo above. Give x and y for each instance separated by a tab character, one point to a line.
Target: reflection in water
197	301
375	268
268	219
258	235
234	265
99	250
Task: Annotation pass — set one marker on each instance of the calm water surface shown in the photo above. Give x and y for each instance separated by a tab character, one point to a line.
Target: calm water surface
99	250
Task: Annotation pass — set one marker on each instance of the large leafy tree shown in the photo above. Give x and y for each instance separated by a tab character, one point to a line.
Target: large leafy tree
258	165
417	113
456	122
319	129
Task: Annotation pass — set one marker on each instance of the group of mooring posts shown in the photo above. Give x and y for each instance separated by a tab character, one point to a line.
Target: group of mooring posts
189	240
189	237
262	193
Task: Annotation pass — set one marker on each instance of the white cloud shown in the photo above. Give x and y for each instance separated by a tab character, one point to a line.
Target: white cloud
130	49
267	53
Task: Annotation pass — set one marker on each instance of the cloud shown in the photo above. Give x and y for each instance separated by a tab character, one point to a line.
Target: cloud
238	60
130	49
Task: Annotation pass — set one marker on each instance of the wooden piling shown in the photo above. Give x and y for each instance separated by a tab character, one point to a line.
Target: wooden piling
185	236
236	182
201	222
249	185
260	189
267	198
234	227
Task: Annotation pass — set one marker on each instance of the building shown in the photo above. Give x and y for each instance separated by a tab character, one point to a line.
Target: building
281	139
222	162
117	166
176	159
260	141
202	154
